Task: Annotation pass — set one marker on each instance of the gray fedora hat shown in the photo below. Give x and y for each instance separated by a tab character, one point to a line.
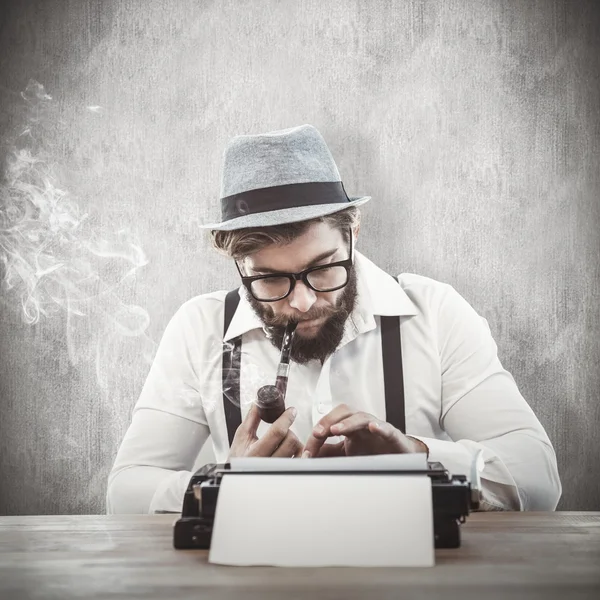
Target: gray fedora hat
279	177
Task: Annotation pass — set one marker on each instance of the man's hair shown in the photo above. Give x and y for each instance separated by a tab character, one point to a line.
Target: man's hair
240	243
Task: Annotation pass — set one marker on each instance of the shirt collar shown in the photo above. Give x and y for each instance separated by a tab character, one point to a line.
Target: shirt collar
378	294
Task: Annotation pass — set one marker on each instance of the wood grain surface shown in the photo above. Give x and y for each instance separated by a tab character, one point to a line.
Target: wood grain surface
516	555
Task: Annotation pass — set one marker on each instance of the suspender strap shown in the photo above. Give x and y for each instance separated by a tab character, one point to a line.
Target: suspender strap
231	370
392	371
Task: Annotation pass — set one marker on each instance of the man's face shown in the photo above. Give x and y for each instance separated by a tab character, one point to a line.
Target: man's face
321	315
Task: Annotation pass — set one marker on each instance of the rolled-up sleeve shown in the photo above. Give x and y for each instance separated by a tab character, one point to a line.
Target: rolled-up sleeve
168	429
483	409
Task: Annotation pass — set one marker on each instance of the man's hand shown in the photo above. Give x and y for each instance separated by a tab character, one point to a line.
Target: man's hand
364	434
278	440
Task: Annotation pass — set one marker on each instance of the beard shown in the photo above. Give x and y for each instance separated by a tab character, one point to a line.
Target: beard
329	334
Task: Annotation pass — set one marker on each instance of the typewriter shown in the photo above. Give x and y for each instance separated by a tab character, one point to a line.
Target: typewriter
453	498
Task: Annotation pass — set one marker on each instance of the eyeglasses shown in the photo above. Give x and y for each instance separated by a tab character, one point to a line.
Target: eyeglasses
324	278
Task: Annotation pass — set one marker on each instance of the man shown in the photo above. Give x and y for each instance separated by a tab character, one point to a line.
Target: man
292	230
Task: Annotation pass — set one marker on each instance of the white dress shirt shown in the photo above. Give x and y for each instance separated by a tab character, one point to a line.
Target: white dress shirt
459	399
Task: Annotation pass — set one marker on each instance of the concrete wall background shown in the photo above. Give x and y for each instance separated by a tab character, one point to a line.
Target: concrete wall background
474	126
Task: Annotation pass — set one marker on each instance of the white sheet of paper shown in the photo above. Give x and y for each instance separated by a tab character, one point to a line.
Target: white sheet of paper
376	462
299	520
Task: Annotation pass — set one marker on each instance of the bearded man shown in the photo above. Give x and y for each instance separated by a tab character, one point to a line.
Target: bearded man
379	364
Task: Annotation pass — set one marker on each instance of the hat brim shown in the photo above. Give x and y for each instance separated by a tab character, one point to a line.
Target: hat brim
288	215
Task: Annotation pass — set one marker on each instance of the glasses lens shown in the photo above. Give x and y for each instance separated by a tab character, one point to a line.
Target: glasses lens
270	288
328	278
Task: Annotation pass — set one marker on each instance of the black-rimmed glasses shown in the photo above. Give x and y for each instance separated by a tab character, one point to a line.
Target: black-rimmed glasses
323	278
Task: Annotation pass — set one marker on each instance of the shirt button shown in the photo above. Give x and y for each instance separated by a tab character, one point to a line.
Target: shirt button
322	408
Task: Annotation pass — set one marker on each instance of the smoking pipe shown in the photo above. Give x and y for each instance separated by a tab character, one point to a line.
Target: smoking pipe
271	398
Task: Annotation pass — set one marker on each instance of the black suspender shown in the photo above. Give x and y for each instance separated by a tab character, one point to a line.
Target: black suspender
231	370
393	378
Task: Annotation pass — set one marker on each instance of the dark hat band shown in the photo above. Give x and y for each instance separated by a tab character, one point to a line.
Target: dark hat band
281	197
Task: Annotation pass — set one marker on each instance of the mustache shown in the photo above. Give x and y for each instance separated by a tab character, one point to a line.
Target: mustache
283	320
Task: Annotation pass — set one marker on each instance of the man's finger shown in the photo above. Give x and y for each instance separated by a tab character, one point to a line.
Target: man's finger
389	433
275	434
321	431
384	430
313	444
353	423
328	450
290	446
251	421
340	412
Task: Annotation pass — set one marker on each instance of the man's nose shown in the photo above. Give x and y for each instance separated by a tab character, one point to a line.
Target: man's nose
302	297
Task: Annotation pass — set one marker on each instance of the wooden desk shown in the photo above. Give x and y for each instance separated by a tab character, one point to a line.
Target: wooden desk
503	555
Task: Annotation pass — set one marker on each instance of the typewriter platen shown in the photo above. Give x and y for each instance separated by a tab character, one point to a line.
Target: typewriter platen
453	497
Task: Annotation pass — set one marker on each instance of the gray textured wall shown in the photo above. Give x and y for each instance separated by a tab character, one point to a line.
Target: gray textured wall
475	126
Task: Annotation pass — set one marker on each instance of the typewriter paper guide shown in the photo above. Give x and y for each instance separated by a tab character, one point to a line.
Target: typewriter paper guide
313	520
377	462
